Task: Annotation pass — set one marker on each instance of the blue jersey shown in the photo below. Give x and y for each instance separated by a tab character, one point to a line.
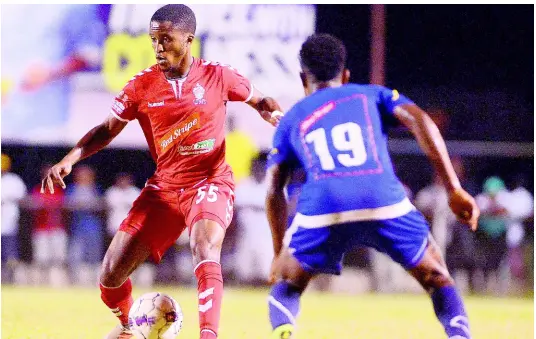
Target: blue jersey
338	136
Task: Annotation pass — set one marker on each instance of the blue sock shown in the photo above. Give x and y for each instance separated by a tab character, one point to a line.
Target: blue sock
283	304
449	309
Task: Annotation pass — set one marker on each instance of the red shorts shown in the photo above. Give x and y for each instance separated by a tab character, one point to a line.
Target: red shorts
160	214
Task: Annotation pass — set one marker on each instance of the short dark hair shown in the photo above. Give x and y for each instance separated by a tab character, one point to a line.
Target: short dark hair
323	55
181	16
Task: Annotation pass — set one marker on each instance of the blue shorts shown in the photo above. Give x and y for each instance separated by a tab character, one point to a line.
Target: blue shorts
321	249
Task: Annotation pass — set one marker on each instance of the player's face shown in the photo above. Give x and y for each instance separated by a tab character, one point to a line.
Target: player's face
170	44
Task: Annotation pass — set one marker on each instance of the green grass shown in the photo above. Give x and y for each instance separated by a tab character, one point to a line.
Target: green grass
78	313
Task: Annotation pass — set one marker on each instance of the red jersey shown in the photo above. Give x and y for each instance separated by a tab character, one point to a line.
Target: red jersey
183	120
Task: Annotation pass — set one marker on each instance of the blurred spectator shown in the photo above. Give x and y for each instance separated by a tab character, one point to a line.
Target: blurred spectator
240	151
13	191
119	199
86	246
58	41
520	205
492	227
433	202
254	250
49	236
460	240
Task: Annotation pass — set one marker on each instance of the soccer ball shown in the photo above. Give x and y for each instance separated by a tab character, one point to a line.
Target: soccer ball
155	315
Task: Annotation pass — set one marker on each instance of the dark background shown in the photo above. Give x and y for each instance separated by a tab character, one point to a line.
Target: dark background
476	62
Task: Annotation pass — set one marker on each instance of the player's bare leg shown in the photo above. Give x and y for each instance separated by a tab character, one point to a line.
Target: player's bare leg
284	299
432	273
123	256
206	239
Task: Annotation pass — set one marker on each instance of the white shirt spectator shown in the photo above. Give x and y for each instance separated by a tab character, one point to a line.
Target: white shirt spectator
520	203
13	191
254	248
485	202
520	206
119	201
433	202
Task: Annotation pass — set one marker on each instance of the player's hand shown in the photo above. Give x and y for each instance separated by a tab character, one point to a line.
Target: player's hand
269	110
275	117
272	117
55	175
464	207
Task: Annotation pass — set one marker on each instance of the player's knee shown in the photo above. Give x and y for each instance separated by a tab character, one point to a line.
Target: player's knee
109	275
436	278
107	278
292	272
205	249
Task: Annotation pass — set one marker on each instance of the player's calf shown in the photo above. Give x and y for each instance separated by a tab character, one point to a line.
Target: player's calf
284	299
431	271
206	240
283	307
122	257
432	274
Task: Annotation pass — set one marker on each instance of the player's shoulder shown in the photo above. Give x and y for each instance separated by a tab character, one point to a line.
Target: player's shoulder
145	74
377	93
214	67
211	65
143	79
367	89
292	115
301	109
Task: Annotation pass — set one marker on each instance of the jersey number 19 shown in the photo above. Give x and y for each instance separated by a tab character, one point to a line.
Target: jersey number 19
346	137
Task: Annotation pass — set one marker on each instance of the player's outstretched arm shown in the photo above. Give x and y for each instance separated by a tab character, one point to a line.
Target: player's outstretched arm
94	140
431	142
267	107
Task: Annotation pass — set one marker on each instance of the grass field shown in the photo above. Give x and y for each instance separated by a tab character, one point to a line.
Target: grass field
38	313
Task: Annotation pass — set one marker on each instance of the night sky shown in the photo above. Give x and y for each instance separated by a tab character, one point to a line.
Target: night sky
476	61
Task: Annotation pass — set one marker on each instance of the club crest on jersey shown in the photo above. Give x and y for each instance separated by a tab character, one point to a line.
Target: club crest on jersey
199	93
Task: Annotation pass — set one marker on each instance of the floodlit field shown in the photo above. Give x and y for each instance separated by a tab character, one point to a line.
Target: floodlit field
78	313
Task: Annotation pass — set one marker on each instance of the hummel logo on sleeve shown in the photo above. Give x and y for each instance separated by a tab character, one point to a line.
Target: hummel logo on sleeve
155	104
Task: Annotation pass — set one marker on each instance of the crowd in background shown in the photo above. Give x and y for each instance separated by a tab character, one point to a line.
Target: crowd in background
71	229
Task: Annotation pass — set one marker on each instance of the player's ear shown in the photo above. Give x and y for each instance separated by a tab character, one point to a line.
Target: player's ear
303	78
346	76
190	38
305	82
